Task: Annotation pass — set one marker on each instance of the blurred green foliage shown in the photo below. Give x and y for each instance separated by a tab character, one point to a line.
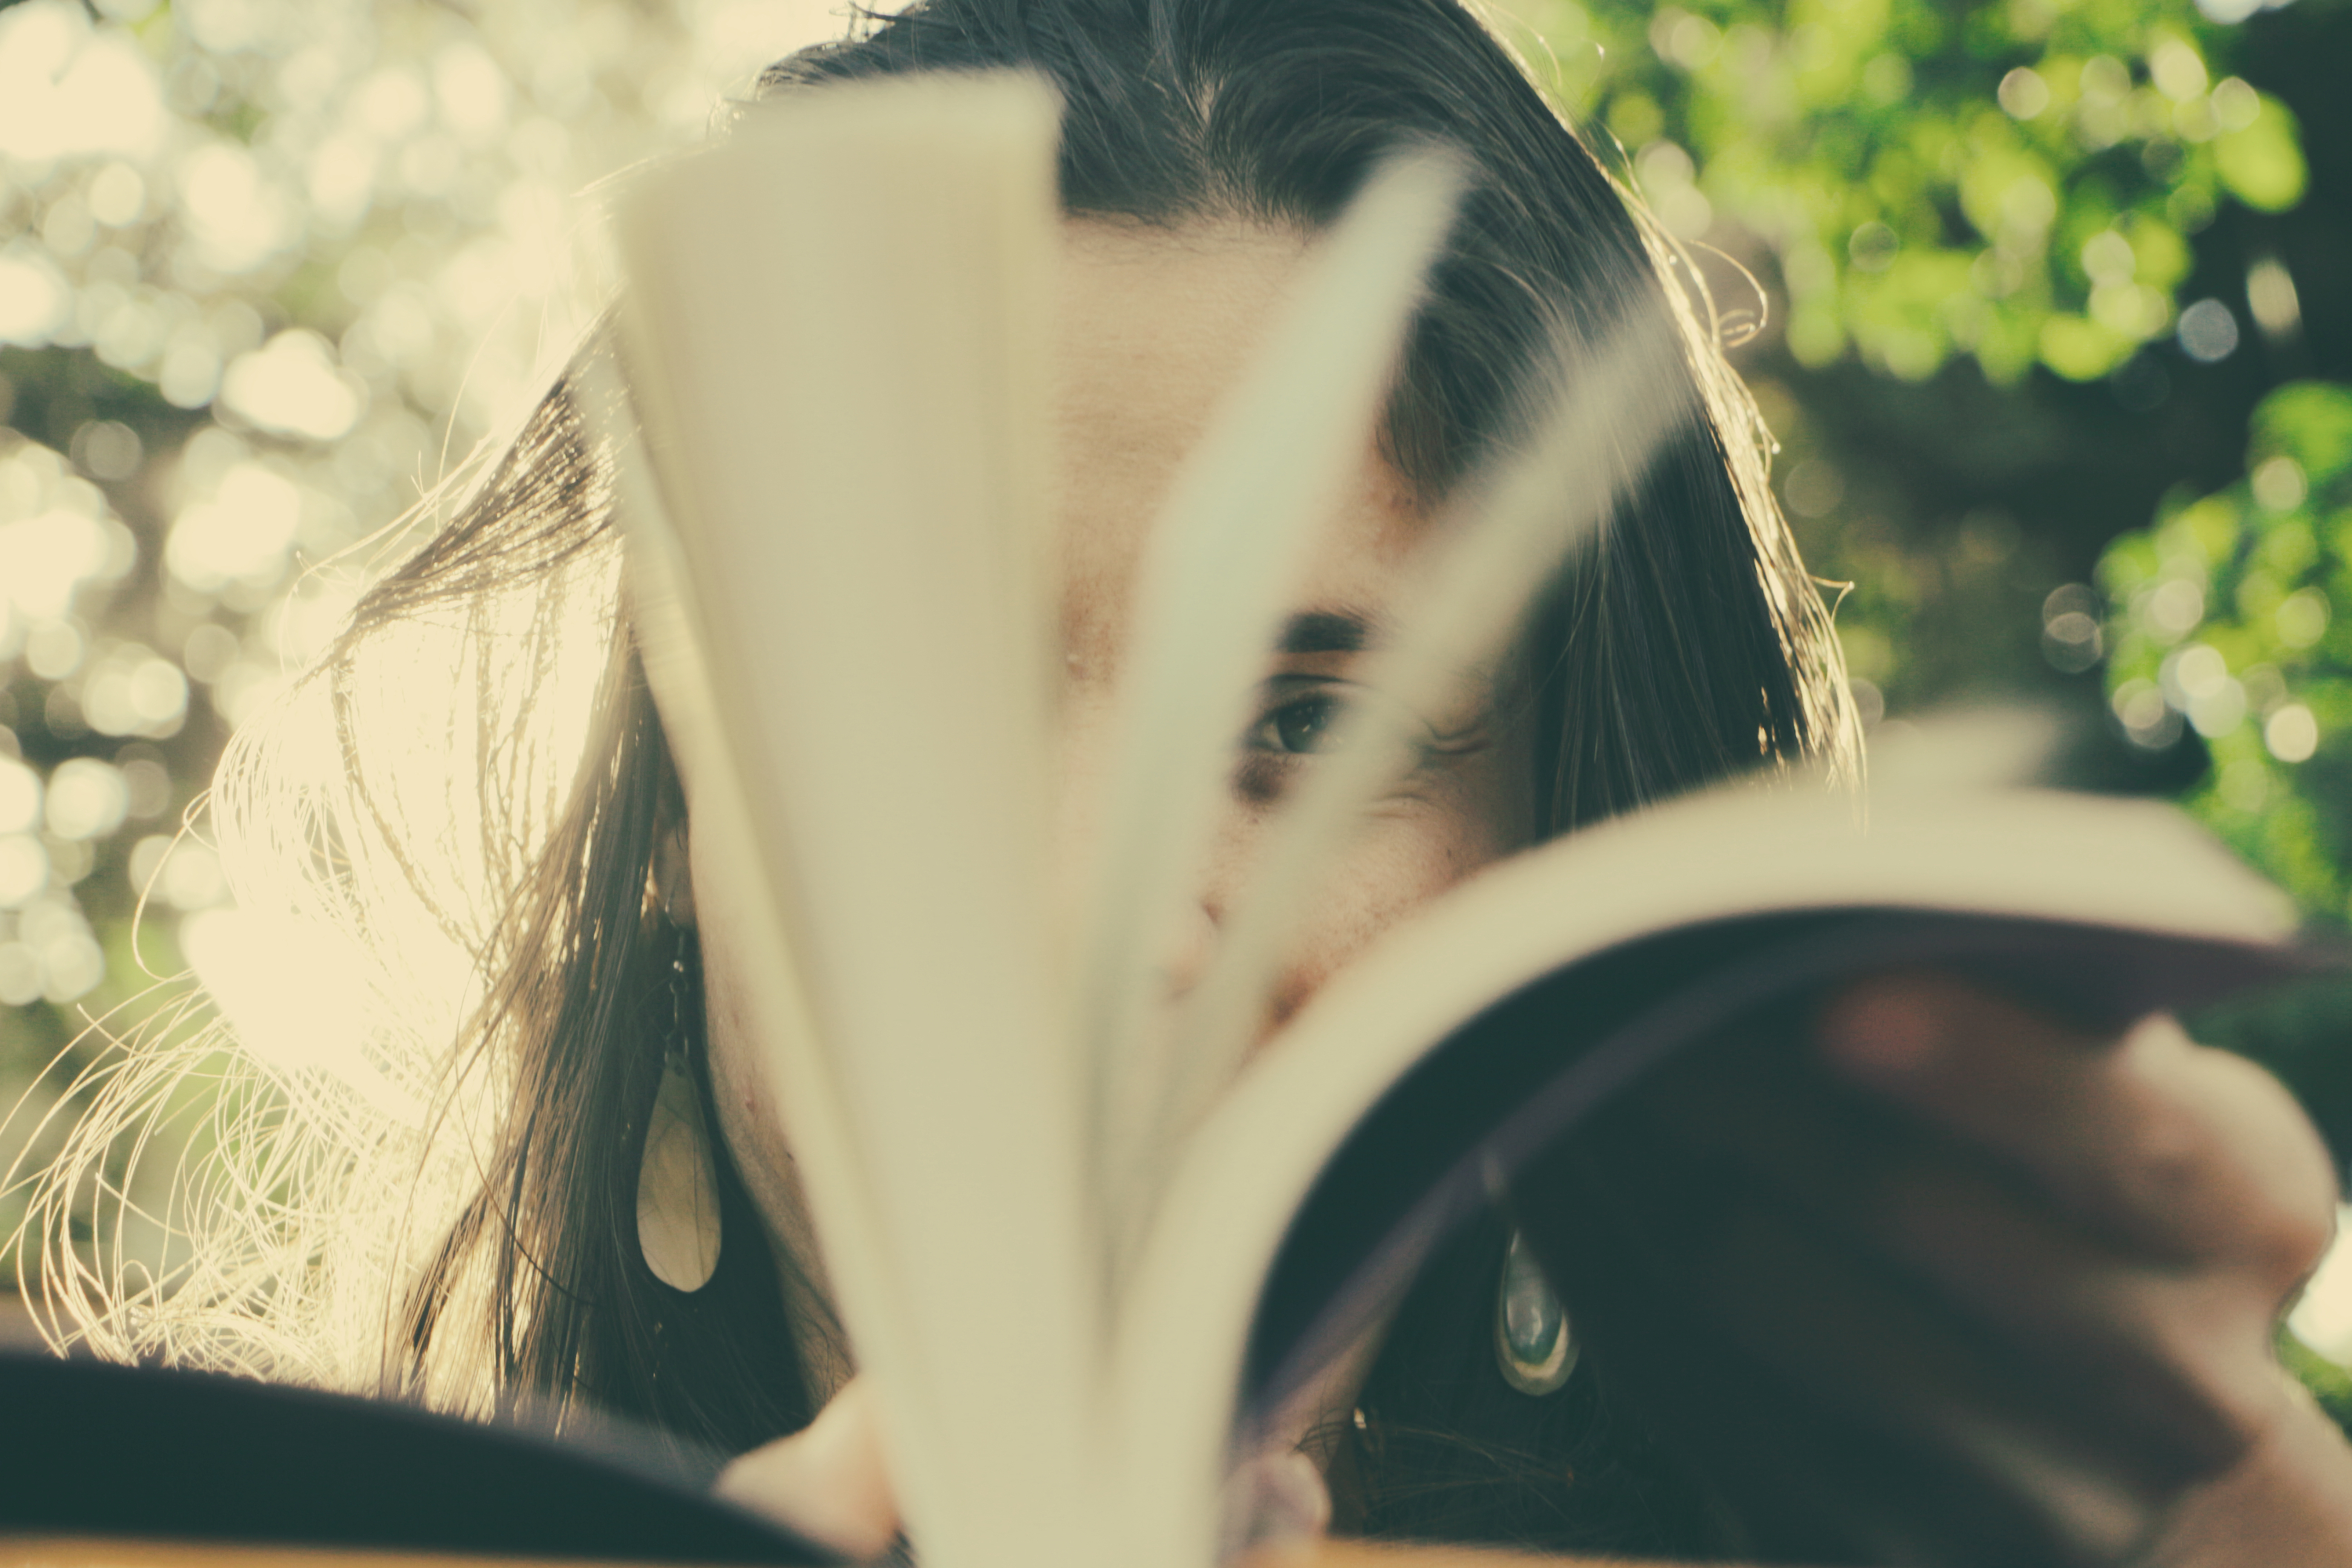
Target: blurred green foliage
2226	629
2225	619
2329	1384
2019	265
2016	182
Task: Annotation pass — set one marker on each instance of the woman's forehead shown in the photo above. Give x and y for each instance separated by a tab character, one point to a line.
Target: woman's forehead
1157	323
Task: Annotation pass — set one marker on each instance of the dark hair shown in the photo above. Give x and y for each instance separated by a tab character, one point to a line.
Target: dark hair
1691	647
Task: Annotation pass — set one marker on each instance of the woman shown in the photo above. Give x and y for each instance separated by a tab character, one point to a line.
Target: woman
1205	143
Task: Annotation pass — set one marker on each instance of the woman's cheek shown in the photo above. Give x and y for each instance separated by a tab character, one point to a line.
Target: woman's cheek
1402	862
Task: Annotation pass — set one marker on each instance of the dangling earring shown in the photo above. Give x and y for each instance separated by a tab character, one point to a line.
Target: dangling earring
1533	1345
677	1185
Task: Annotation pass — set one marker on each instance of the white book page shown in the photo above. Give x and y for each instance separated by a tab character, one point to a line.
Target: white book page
837	339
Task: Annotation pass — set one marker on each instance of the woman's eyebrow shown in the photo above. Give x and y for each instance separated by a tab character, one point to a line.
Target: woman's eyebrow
1328	631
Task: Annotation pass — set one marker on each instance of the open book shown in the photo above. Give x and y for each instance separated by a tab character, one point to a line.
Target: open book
1082	1249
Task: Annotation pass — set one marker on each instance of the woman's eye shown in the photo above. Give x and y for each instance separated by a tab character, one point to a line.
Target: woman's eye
1299	727
1304	715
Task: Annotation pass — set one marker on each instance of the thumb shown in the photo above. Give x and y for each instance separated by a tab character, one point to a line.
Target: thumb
827	1481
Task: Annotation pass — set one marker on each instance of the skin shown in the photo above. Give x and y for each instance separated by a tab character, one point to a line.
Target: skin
2141	1205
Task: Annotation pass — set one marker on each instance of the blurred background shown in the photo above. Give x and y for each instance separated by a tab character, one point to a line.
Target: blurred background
2048	302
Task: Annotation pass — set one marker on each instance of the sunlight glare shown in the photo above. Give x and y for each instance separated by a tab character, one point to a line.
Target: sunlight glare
286	986
296	994
2322	1318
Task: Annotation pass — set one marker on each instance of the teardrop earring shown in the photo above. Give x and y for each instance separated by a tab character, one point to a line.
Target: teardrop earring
678	1183
1533	1345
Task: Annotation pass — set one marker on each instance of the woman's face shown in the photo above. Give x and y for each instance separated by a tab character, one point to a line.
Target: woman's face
1157	324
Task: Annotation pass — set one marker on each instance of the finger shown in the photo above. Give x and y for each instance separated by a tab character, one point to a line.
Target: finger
2180	1350
2093	1455
2110	1338
2141	1339
2159	1143
1851	1418
1275	1496
828	1481
1825	1200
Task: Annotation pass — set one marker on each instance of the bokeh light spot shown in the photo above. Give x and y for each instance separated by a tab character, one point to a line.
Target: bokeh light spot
2280	485
86	799
243	532
2149	721
2208	331
20	967
2023	94
147	779
35	299
118	195
107	449
2302	617
2292	734
237	217
23	870
20	796
292	387
2175	608
54	649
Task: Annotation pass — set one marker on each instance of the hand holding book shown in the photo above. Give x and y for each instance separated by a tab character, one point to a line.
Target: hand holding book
2038	1266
